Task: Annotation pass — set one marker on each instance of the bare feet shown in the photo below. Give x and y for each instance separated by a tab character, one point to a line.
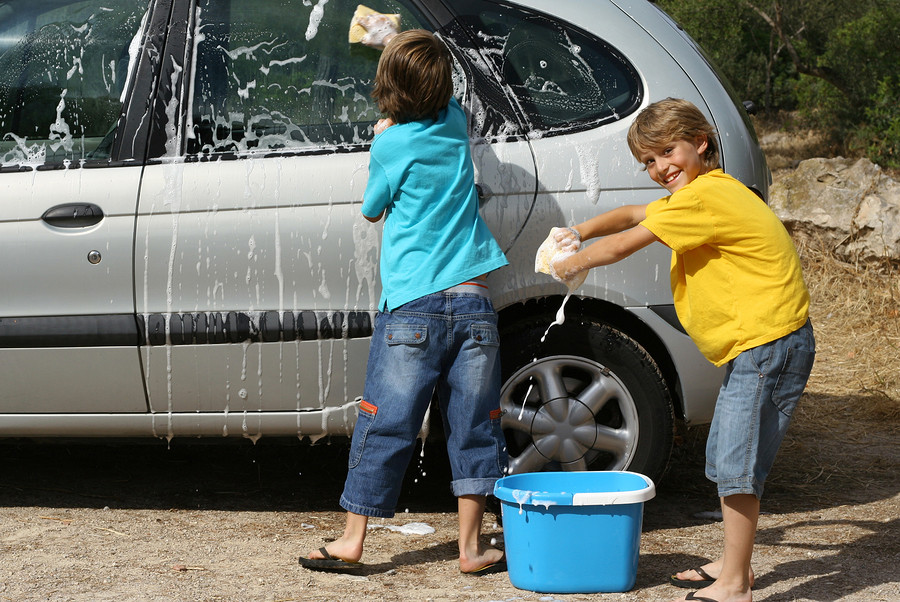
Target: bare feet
471	561
341	550
717	593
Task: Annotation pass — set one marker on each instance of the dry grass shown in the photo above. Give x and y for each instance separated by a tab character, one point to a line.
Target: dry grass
842	444
856	314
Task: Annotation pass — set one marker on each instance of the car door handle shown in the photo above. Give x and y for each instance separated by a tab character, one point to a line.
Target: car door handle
73	215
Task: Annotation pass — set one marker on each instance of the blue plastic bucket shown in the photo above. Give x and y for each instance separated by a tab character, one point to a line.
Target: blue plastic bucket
573	532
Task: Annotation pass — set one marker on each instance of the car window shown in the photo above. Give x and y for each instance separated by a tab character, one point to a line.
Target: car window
63	69
280	74
563	77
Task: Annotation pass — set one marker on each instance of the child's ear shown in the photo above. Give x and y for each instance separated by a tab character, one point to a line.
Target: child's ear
701	142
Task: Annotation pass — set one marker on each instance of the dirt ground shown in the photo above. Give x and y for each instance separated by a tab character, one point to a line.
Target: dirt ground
199	521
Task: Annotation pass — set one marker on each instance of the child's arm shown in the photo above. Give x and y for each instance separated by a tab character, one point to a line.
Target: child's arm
373	219
613	221
610	222
623	236
382	125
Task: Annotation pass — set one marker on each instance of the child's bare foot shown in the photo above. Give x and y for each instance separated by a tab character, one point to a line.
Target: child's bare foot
485	558
340	550
716	593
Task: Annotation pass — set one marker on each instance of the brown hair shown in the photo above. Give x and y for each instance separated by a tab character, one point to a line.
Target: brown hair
668	120
414	78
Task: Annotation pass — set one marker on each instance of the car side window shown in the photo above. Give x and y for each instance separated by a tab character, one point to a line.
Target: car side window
563	77
281	75
63	69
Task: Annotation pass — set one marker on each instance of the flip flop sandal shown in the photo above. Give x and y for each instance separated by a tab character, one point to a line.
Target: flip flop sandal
488	569
693	583
691	596
328	563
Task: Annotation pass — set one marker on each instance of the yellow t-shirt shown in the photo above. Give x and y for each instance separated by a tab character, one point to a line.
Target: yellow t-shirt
735	273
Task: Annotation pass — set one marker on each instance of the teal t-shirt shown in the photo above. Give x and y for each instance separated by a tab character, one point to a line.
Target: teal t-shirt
421	175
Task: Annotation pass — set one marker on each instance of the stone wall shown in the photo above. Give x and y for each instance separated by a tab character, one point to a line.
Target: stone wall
853	205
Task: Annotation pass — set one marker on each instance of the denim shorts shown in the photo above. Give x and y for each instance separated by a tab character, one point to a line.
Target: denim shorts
761	389
445	343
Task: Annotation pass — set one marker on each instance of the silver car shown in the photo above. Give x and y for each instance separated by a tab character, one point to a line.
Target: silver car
180	223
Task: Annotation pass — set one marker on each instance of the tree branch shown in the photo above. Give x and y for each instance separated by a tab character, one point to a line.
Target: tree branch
802	66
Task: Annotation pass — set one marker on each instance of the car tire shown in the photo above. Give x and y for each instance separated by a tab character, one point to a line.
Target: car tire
582	396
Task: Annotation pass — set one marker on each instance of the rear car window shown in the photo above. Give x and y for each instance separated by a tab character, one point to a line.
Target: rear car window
563	77
63	69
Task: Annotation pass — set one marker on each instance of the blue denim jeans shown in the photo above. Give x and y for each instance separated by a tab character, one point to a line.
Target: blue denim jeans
761	389
445	343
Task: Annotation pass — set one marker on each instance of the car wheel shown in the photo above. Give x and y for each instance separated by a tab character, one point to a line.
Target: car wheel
582	396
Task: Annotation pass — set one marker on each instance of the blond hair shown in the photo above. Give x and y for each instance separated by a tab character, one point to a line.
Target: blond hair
668	120
414	78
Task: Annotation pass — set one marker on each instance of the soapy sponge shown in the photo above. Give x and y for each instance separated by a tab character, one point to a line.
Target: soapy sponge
357	31
550	251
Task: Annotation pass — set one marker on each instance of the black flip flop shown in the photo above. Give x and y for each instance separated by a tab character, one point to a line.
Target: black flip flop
693	583
691	596
328	563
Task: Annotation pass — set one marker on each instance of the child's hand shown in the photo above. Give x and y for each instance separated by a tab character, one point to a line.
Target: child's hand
383	124
379	30
560	244
567	239
566	266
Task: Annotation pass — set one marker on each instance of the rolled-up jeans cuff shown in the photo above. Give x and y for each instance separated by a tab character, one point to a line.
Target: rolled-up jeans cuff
738	487
365	510
463	487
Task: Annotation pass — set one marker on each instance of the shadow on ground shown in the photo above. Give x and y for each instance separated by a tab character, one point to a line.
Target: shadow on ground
191	474
813	471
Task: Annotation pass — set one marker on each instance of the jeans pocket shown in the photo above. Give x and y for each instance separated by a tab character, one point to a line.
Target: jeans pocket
364	420
792	379
485	333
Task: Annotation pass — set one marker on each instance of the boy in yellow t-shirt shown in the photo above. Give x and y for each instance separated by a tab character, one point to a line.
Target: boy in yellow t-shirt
740	295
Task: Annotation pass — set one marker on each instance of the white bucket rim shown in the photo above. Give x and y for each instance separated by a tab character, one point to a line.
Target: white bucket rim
598	498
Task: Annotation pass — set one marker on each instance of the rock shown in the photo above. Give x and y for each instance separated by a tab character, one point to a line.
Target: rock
852	204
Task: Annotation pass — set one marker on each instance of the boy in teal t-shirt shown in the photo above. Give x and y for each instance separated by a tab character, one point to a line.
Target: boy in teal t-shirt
436	330
421	177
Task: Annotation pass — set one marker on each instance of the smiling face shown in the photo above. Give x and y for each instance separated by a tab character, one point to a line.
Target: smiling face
677	163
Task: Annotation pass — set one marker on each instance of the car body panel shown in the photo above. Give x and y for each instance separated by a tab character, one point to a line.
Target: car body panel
55	350
206	251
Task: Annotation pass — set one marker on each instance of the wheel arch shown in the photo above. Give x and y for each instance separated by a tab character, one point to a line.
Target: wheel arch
614	315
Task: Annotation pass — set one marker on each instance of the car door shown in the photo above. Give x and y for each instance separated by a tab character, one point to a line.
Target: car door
256	275
68	336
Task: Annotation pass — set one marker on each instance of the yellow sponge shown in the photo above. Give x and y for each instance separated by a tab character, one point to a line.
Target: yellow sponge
548	252
357	31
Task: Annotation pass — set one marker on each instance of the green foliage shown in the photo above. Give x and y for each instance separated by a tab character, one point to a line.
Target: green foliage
862	52
745	69
879	137
835	61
